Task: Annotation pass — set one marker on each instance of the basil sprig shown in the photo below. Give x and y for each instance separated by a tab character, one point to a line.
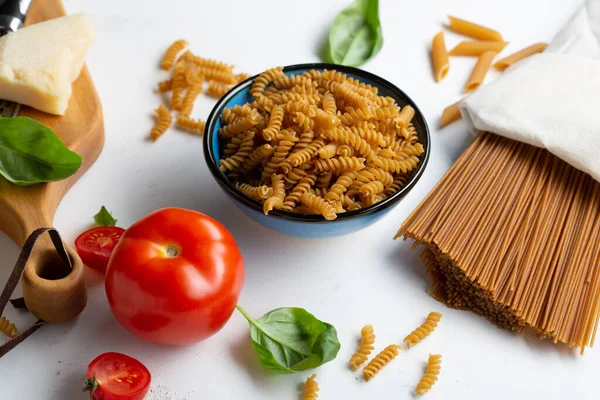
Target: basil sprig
290	340
355	36
31	153
104	218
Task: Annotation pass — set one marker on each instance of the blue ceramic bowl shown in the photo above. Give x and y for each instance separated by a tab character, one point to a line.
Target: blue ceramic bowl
310	226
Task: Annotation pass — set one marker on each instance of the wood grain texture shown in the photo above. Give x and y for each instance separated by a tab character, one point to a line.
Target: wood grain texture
24	209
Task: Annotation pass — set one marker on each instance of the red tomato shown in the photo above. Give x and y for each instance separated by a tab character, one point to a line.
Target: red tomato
175	277
96	245
115	376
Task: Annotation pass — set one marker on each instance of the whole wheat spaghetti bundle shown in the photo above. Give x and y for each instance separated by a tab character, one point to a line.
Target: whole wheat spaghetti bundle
511	233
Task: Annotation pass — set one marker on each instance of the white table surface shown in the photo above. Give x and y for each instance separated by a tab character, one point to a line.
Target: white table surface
349	281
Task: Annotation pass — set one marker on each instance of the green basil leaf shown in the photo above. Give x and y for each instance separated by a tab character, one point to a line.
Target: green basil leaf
355	36
31	153
104	218
290	340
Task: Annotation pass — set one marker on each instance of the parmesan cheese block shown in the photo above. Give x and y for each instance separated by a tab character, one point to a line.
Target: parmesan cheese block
39	63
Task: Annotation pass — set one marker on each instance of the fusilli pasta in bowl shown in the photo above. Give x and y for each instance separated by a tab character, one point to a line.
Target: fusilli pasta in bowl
316	150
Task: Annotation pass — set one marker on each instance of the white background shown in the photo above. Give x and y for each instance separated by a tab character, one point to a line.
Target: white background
349	281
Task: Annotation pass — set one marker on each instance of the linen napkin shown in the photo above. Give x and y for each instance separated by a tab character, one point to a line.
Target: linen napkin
550	100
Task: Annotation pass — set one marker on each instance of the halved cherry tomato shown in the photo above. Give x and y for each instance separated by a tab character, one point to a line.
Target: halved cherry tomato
116	376
175	277
96	245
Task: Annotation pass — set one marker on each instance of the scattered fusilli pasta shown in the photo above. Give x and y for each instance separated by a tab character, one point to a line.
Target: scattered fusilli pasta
164	120
8	328
366	347
380	361
311	388
424	330
434	365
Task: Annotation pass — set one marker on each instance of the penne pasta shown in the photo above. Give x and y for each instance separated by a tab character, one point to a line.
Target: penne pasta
476	48
484	62
450	114
439	57
519	55
473	30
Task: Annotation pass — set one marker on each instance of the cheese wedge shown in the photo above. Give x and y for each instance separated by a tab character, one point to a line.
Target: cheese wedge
39	63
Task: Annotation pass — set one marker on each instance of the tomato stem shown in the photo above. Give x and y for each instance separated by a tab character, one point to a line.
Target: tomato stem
172	251
90	385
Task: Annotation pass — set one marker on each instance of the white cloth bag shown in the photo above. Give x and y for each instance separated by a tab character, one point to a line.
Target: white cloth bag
550	100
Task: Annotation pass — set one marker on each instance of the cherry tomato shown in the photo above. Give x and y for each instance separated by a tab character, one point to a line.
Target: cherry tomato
116	376
96	245
175	277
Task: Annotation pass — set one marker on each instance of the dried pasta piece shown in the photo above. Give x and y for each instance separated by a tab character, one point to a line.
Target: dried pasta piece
324	180
307	124
275	121
241	125
506	62
345	150
190	98
317	203
191	125
450	114
256	158
281	152
276	200
328	151
306	138
230	115
367	131
233	145
165	86
311	388
474	30
324	120
424	330
439	57
380	361
303	186
261	82
329	104
179	85
235	162
434	366
345	136
366	347
480	71
476	48
241	77
8	328
352	116
372	188
405	116
302	156
294	107
162	123
397	166
217	89
339	165
172	53
255	192
340	186
346	92
397	184
206	62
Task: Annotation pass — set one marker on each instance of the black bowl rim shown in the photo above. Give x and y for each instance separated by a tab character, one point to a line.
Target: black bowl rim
210	159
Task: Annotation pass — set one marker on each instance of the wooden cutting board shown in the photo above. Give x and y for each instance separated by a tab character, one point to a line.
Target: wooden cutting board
24	209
